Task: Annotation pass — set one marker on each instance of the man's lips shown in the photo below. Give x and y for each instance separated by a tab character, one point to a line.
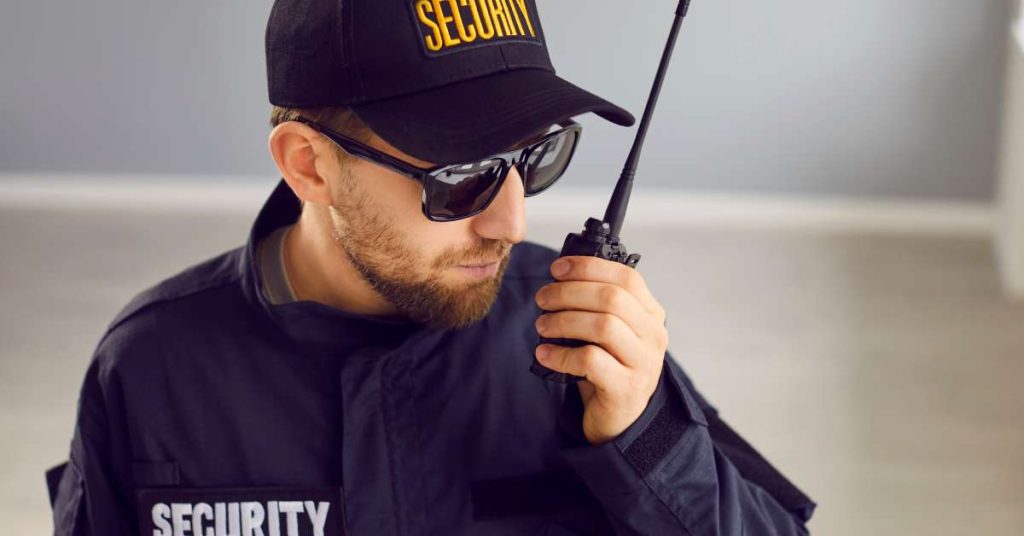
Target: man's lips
479	264
483	263
480	270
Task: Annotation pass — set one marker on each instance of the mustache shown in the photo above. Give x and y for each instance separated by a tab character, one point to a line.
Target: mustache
486	251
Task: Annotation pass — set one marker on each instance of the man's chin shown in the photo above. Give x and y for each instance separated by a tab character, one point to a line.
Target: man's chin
468	300
467	306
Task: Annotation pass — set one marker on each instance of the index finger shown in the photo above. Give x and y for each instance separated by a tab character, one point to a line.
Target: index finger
583	268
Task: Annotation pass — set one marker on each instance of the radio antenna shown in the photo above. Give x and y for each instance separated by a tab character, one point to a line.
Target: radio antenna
615	215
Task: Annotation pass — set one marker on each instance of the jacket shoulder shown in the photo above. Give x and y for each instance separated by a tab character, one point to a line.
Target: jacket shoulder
178	304
209	274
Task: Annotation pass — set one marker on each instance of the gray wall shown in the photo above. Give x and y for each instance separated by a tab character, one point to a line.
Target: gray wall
869	97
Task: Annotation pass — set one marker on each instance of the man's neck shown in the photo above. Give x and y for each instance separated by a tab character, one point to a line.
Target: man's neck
319	270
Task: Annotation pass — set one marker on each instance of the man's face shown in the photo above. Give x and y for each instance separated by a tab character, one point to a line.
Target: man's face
427	270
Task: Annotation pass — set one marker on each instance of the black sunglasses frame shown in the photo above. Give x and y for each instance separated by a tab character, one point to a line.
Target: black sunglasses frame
427	176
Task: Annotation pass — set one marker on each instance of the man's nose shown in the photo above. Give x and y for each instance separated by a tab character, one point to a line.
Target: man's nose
505	218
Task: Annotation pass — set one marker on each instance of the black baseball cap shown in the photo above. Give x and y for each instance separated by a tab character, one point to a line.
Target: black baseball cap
443	80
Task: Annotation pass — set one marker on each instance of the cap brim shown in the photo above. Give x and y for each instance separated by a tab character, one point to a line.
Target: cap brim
482	116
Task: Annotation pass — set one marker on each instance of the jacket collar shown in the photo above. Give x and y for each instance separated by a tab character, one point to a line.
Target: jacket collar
313	324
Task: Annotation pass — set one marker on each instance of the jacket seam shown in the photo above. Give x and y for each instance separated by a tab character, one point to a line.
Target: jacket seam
387	413
150	304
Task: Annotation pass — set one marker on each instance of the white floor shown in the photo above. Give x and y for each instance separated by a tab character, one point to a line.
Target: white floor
881	372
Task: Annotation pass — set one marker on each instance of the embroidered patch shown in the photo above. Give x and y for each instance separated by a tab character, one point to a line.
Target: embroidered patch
241	512
446	26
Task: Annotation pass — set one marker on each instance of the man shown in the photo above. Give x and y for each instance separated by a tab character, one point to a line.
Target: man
361	365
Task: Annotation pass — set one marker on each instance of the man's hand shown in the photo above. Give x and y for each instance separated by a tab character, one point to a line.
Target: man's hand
608	304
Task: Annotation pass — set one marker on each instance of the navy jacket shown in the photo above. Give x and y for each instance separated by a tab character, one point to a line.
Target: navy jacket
208	411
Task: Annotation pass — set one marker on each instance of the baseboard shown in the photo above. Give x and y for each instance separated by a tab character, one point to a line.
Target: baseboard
565	205
132	192
744	210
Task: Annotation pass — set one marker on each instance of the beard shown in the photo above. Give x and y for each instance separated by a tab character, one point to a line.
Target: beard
400	274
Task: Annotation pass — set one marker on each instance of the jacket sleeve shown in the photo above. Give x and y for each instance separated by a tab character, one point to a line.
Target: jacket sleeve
679	469
89	493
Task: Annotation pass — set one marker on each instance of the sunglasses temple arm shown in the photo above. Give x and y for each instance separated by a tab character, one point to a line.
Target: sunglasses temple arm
366	152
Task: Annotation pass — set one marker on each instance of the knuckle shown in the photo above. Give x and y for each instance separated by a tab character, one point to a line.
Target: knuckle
629	276
610	296
662	337
585	268
580	360
589	356
605	324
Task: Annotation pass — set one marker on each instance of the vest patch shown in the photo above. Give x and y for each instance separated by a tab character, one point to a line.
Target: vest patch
241	512
446	26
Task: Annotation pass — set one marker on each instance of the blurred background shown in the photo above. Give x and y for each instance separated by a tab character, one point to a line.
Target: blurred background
830	206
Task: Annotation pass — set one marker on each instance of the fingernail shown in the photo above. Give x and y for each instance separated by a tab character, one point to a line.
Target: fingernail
543	351
560	267
542	322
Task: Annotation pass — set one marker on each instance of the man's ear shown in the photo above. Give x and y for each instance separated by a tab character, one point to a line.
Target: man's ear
302	160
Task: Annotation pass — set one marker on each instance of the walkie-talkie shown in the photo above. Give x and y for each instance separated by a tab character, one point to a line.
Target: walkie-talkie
600	238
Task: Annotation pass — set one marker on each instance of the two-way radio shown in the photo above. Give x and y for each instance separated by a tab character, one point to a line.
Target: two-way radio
600	238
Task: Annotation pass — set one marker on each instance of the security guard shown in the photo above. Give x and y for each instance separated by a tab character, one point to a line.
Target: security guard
361	365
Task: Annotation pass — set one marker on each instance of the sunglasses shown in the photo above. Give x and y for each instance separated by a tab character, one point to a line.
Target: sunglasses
456	191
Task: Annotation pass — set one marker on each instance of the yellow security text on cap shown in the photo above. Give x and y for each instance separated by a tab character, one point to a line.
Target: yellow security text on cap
445	25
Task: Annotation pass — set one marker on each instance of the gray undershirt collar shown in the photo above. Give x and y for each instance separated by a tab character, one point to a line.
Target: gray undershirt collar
276	286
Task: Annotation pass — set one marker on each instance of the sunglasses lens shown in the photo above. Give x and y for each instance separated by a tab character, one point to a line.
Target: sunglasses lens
462	189
548	161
